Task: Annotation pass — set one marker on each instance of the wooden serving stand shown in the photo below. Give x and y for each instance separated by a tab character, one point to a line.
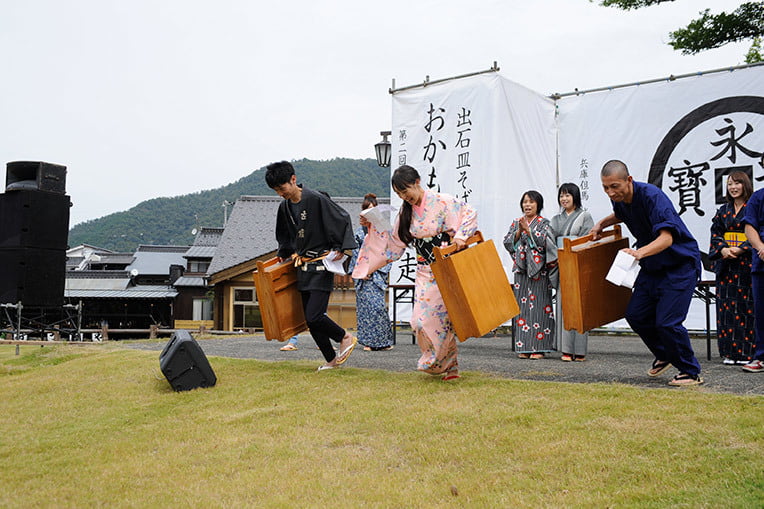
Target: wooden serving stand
280	301
474	286
588	299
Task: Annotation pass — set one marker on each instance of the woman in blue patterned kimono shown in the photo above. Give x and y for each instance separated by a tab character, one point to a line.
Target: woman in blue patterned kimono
533	249
375	331
730	254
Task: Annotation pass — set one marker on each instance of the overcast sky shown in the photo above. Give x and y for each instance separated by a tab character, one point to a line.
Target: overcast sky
141	99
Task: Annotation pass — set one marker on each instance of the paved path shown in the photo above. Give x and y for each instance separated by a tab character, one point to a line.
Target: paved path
622	359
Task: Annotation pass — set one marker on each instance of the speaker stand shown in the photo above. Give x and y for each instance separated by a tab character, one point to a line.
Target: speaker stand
36	322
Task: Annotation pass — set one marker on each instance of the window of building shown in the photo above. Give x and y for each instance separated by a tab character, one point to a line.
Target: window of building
246	312
202	309
198	266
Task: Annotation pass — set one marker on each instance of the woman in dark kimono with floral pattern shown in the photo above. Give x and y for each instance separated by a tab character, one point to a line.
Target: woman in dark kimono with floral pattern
533	248
730	254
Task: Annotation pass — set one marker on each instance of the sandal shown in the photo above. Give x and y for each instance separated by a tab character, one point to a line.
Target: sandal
450	376
537	356
523	356
566	357
685	379
658	367
580	358
288	347
345	353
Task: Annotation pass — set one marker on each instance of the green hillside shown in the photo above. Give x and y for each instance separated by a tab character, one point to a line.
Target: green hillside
169	221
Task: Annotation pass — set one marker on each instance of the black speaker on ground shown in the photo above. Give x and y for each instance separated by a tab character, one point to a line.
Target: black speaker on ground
36	176
34	219
34	277
184	364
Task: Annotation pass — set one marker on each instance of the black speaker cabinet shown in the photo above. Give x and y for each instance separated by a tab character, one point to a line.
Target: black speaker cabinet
184	364
34	219
34	277
35	175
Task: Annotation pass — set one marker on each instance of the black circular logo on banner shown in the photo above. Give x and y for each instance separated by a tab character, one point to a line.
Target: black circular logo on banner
739	104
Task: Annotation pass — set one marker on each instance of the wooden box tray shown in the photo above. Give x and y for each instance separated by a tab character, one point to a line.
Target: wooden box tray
588	299
474	286
279	300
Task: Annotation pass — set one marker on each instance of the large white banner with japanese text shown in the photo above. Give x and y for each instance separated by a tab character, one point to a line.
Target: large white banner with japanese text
682	135
484	139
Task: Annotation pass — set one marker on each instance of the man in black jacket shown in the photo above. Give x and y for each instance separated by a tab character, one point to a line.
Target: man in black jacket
309	226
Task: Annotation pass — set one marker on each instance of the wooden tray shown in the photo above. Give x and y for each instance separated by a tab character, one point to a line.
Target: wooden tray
588	299
280	301
474	286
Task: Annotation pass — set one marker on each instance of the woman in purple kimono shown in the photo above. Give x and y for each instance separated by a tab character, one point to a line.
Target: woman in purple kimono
426	219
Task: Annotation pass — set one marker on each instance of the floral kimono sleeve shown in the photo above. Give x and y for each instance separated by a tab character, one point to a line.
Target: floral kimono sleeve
538	244
461	220
379	249
509	238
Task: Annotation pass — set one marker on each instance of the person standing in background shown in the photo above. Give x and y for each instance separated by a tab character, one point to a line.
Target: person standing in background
730	254
375	331
572	222
534	252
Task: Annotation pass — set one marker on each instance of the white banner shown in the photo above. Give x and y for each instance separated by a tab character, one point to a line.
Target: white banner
484	139
683	136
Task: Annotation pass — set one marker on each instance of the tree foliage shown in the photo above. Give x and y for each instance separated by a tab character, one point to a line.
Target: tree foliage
710	30
169	221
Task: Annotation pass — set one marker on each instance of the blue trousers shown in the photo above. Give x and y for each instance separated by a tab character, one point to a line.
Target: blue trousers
657	310
757	283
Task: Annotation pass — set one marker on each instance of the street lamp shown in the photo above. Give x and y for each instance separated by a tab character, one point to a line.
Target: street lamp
383	150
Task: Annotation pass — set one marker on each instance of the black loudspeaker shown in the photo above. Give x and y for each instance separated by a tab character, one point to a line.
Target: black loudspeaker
35	175
34	277
34	219
184	364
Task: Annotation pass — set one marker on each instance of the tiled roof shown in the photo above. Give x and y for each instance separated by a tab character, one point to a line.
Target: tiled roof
251	229
208	237
156	260
189	281
133	292
200	252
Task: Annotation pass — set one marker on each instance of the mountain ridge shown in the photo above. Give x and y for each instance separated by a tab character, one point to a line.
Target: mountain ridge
170	220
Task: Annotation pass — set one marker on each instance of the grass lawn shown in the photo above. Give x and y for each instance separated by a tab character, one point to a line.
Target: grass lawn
92	426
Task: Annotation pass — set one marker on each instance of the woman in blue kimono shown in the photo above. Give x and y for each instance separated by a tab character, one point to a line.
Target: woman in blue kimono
375	331
730	253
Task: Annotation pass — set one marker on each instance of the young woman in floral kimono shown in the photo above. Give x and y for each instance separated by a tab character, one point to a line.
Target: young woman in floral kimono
533	249
426	219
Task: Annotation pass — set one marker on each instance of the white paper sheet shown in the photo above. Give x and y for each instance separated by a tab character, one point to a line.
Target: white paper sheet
624	270
335	266
379	216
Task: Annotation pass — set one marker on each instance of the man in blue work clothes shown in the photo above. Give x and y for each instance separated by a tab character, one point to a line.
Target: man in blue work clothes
669	261
754	231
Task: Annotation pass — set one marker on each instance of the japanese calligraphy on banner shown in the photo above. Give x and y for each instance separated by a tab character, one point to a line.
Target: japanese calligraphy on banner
483	139
683	136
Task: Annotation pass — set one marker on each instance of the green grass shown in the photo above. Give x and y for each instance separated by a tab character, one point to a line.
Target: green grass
100	426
